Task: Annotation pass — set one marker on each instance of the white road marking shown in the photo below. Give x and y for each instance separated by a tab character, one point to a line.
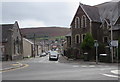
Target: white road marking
83	66
75	66
111	75
91	66
115	71
106	68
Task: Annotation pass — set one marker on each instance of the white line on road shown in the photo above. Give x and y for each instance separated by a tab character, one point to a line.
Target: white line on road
83	66
115	71
111	75
106	69
75	66
91	66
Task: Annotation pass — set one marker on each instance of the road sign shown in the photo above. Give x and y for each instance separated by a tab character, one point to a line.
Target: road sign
114	43
96	44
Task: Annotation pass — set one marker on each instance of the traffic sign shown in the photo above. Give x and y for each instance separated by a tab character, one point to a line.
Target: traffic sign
114	43
96	44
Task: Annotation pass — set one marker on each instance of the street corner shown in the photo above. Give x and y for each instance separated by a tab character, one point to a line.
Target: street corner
13	66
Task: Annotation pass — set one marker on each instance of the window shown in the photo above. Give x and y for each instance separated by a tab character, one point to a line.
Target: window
105	39
70	40
83	21
77	22
83	37
77	38
14	47
17	45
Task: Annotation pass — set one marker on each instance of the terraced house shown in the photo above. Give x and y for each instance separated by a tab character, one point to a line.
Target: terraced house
97	20
11	42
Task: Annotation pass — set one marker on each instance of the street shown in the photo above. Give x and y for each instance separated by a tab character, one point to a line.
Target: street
40	68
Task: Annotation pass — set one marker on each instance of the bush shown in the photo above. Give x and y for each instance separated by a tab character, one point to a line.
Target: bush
87	45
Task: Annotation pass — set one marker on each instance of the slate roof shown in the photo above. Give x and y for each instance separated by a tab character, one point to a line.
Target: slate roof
68	34
5	30
109	10
115	28
92	12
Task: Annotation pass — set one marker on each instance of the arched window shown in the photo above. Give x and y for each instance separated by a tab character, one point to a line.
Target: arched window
77	22
83	37
83	21
77	38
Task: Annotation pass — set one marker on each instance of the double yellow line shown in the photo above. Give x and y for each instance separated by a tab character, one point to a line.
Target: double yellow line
14	68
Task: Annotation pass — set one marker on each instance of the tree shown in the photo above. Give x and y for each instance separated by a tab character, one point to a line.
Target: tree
87	44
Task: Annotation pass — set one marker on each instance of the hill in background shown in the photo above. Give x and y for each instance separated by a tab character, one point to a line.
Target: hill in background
44	32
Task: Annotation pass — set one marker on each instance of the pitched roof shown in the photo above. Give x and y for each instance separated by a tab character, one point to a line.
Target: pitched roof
115	28
5	30
109	10
68	34
92	12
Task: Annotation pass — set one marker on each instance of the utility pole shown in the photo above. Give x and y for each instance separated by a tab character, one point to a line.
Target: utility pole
111	43
34	45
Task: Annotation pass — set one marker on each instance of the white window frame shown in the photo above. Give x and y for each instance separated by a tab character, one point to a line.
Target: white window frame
82	21
77	22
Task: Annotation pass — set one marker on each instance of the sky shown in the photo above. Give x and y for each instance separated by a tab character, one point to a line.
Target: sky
41	13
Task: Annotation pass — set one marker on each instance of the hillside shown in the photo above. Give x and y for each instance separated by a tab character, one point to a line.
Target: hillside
41	32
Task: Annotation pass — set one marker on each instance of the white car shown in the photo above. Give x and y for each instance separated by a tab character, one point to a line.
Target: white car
53	55
43	54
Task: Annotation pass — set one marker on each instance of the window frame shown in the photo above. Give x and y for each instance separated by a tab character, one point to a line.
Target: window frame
104	39
76	40
77	22
82	37
83	21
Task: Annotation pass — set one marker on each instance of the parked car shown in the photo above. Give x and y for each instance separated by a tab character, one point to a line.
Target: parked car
43	54
53	55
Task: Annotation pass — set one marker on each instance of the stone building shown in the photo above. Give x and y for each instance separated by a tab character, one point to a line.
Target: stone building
96	20
12	41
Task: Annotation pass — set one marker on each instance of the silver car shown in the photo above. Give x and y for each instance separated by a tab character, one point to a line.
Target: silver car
53	55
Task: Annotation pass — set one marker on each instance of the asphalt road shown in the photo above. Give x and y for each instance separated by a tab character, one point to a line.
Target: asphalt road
41	68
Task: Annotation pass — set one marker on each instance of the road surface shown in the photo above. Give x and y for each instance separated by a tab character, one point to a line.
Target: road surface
41	68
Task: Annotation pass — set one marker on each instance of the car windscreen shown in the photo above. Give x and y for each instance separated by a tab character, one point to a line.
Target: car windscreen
53	53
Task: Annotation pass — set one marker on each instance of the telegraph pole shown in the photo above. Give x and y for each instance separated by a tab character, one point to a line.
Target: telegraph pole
111	43
34	45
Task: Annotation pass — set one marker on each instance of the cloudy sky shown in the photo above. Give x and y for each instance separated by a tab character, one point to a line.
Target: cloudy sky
42	13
